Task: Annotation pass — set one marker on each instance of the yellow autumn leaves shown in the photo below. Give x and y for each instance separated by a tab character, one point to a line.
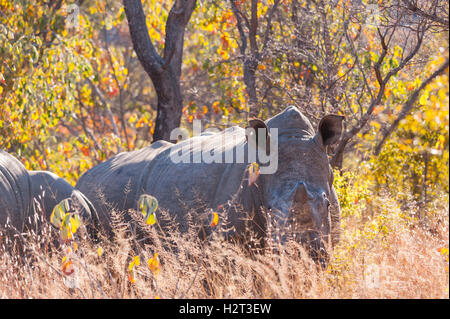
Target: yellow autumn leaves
445	253
147	205
67	266
253	173
214	219
66	221
131	269
153	265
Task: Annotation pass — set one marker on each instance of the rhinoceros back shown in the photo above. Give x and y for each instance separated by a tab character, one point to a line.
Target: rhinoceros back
180	187
112	185
15	192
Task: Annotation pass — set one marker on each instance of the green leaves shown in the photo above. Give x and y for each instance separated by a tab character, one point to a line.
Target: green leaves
148	205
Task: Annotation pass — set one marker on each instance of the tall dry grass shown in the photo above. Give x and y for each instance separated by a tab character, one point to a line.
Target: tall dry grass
383	253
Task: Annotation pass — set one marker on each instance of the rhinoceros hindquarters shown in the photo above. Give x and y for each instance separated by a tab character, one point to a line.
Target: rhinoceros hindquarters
49	190
15	192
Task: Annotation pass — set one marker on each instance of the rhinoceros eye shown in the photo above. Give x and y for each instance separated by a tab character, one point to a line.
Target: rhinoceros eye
327	202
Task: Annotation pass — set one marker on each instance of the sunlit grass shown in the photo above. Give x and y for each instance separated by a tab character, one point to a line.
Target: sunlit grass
383	253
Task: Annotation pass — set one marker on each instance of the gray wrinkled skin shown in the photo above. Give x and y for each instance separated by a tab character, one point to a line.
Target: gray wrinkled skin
22	193
48	190
15	192
299	197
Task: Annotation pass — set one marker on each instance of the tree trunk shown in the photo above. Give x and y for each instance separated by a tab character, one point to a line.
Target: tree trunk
170	105
164	72
250	85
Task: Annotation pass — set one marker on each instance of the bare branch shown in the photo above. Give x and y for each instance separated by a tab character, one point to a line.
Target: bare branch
336	161
442	21
142	44
358	64
269	24
107	108
253	27
238	14
407	107
176	24
164	73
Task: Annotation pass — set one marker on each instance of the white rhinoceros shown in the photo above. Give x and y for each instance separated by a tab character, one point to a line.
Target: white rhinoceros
298	197
15	192
24	193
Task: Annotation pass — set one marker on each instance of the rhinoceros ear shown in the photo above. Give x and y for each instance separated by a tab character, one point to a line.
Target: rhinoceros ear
330	129
257	124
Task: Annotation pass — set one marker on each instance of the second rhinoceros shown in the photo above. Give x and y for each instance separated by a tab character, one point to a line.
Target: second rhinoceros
15	192
23	194
298	197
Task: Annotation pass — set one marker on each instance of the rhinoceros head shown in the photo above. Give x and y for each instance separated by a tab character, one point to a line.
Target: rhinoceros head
300	193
